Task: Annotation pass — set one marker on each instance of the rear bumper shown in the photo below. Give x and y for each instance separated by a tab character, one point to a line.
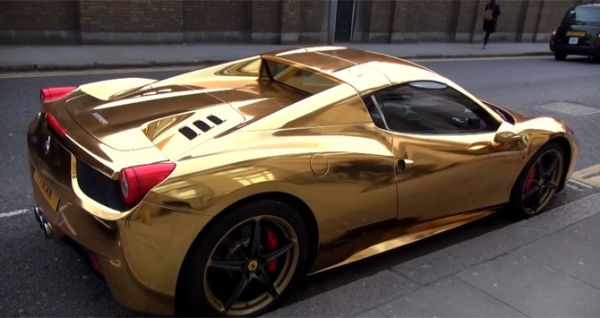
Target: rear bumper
574	49
91	235
139	254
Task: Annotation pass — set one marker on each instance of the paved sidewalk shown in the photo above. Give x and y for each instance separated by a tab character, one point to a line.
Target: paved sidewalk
544	266
23	58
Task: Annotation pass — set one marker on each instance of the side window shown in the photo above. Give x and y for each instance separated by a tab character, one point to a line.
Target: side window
297	78
427	107
375	111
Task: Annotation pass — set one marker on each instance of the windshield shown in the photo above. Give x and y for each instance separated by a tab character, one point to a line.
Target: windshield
582	15
297	78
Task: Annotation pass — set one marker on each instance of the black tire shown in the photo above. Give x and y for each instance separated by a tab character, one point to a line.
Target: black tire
560	56
538	182
235	281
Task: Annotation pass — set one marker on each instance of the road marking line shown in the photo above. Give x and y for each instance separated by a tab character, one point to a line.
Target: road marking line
152	69
475	58
13	213
126	70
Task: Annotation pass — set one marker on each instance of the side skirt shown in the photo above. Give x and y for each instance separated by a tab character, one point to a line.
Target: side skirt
401	236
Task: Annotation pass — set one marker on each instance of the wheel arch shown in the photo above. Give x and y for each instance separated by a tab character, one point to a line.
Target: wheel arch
564	144
304	210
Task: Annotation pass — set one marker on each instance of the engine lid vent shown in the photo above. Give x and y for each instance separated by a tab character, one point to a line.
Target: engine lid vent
202	125
216	120
190	133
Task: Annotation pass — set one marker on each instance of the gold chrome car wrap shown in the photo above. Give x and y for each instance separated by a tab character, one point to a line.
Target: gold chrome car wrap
361	189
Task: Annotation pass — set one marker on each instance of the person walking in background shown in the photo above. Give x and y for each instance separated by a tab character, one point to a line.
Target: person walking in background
490	19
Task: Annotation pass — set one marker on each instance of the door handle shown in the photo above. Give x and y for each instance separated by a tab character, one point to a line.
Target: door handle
404	164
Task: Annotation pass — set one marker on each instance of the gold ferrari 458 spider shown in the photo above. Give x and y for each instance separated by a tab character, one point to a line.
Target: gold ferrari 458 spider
211	192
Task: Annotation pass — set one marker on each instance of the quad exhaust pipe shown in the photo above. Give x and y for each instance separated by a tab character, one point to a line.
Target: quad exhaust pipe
44	224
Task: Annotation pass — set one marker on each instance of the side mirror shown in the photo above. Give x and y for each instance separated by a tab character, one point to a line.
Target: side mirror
507	137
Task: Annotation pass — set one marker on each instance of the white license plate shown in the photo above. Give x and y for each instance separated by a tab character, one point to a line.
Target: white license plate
573	40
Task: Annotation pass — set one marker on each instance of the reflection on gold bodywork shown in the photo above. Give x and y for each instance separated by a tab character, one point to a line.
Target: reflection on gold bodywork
428	188
368	190
388	238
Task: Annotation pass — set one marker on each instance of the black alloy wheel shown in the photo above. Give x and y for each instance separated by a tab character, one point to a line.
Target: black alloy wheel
247	261
539	181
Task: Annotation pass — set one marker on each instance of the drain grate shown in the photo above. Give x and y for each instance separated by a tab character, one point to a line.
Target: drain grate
569	108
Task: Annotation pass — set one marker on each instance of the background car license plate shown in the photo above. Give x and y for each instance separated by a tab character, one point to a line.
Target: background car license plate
573	40
50	196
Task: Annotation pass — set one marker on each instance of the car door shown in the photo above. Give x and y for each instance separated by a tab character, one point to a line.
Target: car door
447	161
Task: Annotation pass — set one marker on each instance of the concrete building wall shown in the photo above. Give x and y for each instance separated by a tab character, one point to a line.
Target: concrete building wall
430	20
313	20
131	21
39	21
203	21
269	21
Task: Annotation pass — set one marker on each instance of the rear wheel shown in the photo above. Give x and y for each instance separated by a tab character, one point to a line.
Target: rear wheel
560	56
246	262
538	182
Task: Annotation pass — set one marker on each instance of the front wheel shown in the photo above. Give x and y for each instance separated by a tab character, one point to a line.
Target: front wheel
246	261
538	182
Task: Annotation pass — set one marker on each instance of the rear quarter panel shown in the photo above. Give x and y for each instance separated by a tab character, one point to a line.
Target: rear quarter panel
344	174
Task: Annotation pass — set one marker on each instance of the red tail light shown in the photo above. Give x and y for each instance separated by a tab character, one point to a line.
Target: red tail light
56	126
554	34
137	181
51	94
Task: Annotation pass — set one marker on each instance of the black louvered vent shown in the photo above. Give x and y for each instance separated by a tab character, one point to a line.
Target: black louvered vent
188	132
216	120
202	125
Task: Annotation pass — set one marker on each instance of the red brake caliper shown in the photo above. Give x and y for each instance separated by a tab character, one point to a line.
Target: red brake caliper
272	242
529	182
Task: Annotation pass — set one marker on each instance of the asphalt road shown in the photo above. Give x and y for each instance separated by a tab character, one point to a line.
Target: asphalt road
44	278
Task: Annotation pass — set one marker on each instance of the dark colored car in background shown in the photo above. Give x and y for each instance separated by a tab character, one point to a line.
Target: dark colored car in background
578	33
